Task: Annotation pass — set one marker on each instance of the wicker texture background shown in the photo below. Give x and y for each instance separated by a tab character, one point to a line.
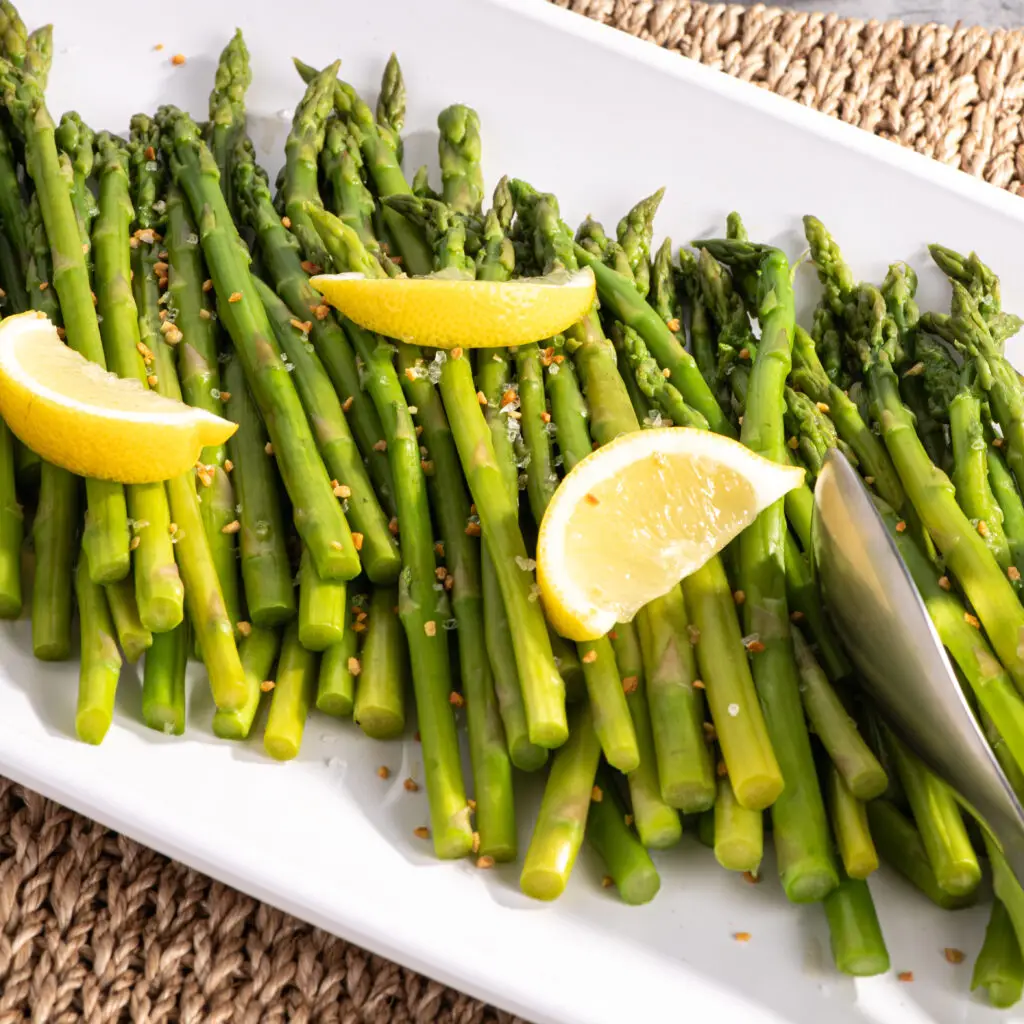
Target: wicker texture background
95	927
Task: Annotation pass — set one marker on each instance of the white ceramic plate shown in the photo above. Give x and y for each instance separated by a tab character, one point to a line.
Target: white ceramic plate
601	119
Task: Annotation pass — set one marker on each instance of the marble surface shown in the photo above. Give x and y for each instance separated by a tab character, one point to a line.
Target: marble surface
990	13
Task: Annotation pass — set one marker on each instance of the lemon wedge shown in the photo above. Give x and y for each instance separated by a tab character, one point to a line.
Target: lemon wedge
449	312
637	516
75	414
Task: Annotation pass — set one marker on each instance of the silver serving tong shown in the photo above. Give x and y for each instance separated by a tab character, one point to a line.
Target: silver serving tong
901	662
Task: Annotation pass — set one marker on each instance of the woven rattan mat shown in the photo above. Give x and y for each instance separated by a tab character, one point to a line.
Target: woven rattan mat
95	927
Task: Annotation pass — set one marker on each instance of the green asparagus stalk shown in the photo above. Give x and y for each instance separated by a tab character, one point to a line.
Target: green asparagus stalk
266	571
561	821
657	822
999	969
628	864
322	609
163	681
227	109
54	537
132	636
318	516
100	660
1004	489
939	821
293	694
157	582
377	548
462	182
106	528
283	265
258	653
77	142
702	336
850	825
391	103
39	54
336	687
634	233
835	728
419	607
800	828
302	150
13	34
342	163
200	379
380	695
12	205
214	631
858	947
900	844
739	832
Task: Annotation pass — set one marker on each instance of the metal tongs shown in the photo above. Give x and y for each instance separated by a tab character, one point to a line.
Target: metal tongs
901	662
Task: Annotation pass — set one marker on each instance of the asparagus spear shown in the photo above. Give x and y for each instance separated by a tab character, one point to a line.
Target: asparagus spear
336	687
322	609
939	821
284	267
999	969
266	571
258	653
1004	489
204	601
39	54
163	681
900	844
227	109
341	163
858	947
200	379
835	728
558	832
132	636
850	825
380	696
629	865
293	693
318	516
13	34
931	492
800	828
739	833
157	582
100	664
378	549
106	528
493	378
302	151
77	142
701	326
462	181
419	606
391	103
12	202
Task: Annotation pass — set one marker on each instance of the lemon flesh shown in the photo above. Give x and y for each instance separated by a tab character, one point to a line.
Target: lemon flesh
76	415
637	516
449	312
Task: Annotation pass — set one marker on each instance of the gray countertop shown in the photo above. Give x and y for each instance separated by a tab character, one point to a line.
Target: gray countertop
990	13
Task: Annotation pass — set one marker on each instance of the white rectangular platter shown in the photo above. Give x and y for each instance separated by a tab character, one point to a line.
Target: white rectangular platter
601	119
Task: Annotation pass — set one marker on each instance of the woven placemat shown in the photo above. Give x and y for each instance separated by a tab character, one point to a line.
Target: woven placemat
96	927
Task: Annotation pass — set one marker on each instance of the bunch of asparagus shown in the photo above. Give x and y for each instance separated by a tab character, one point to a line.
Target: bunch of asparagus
365	526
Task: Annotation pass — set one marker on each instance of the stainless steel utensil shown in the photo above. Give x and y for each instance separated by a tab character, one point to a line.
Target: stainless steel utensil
902	664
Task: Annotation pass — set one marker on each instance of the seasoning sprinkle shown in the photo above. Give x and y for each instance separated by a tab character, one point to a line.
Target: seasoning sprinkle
589	658
355	666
